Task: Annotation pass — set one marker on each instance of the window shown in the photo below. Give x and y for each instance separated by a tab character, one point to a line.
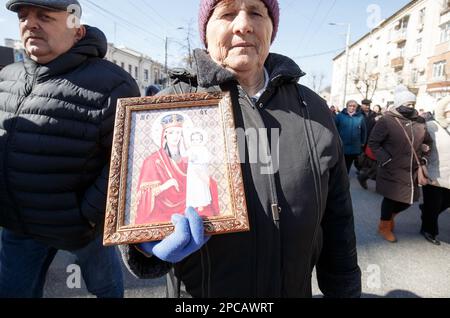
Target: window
422	15
401	51
145	75
419	46
445	32
136	72
439	70
375	61
402	24
390	32
414	76
122	64
18	57
115	61
130	69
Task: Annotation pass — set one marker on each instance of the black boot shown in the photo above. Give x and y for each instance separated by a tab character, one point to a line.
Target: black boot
430	238
362	181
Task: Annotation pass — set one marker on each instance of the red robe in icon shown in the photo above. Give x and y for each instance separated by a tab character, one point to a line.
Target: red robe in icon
154	206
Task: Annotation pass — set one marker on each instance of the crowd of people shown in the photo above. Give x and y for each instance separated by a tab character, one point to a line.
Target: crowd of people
406	151
57	110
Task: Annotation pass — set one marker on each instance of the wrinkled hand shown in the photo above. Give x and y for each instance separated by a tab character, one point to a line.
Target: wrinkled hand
425	148
188	237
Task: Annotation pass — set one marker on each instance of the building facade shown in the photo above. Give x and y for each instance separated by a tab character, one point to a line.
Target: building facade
17	48
144	70
412	47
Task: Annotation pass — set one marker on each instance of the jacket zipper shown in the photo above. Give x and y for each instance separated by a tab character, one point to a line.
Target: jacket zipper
275	208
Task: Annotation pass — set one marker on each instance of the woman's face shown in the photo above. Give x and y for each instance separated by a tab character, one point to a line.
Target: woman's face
351	107
410	105
238	35
173	136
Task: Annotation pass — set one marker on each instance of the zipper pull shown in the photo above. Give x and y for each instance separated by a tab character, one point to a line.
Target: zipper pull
276	211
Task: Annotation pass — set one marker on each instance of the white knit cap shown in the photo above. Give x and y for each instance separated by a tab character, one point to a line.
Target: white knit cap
403	96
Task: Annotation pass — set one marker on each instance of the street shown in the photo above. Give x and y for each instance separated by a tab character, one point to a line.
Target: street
409	269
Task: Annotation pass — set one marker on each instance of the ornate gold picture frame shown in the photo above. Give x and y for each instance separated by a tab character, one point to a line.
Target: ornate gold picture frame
169	153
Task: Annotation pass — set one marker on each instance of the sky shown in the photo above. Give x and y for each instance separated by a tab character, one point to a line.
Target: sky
304	34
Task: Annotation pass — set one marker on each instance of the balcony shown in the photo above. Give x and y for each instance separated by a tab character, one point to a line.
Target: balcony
398	63
399	36
442	86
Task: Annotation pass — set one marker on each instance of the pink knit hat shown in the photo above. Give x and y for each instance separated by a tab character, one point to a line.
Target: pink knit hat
207	7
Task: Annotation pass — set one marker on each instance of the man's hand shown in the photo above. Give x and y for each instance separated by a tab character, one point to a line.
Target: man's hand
187	238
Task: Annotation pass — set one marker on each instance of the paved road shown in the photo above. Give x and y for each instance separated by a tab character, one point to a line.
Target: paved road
411	268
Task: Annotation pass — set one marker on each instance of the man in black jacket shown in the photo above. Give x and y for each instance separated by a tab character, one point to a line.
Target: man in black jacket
57	111
369	115
366	167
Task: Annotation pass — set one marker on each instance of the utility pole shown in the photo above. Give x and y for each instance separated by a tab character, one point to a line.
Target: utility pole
188	39
189	45
165	62
165	58
347	57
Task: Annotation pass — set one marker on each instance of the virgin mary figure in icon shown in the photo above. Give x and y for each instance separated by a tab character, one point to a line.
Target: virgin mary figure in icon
163	182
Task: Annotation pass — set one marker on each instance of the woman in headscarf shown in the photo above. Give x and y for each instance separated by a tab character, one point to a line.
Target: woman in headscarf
300	211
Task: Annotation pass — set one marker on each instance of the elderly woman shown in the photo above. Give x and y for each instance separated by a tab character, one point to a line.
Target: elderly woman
398	141
436	195
301	216
352	128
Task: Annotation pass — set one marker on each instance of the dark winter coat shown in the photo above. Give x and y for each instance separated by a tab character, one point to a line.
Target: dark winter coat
370	120
56	124
315	227
397	177
353	131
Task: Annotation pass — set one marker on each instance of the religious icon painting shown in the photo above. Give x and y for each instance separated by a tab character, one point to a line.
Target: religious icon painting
171	153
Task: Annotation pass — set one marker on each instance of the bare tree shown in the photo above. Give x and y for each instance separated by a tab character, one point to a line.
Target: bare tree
366	82
317	81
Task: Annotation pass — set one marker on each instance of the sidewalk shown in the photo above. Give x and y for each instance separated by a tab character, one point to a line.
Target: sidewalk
409	269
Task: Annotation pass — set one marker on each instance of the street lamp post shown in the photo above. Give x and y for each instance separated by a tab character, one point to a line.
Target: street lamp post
347	57
188	39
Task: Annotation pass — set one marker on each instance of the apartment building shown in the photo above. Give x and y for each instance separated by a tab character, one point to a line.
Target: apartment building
144	70
411	47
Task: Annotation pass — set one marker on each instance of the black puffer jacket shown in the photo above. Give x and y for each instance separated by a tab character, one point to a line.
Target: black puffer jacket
316	227
56	124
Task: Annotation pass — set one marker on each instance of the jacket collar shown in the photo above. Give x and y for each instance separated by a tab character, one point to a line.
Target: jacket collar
357	113
394	113
281	69
94	44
